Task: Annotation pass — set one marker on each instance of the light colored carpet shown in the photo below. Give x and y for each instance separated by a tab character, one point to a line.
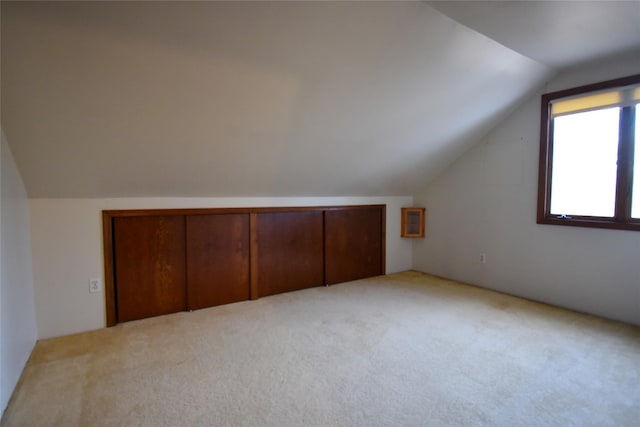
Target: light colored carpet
404	349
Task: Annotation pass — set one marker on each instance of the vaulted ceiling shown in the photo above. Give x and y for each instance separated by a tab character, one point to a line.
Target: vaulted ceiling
267	98
559	34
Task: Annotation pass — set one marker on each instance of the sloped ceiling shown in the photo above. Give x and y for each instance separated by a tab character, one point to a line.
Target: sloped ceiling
245	99
556	33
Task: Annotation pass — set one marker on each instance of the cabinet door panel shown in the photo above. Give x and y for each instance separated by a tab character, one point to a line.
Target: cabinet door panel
353	244
149	254
217	259
289	251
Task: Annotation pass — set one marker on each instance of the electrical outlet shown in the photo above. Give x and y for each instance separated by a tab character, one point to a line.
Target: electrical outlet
483	258
95	285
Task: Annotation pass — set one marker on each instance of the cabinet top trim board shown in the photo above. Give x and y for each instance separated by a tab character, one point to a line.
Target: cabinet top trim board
107	214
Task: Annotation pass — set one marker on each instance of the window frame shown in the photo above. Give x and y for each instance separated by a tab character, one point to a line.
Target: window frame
624	180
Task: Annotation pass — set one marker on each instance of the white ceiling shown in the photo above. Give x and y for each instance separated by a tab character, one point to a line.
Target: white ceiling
556	33
245	99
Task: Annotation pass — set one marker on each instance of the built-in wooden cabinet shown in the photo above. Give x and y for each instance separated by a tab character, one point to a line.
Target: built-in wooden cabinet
217	259
413	222
149	265
353	244
164	261
288	251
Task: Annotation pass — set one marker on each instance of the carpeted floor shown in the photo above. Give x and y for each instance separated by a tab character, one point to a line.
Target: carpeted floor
405	349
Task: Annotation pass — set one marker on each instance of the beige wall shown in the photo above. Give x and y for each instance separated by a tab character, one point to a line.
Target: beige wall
67	249
486	203
17	313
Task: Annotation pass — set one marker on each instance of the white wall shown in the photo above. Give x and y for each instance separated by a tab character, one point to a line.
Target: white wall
485	202
17	313
67	249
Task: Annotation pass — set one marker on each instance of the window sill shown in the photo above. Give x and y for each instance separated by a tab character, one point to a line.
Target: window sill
591	223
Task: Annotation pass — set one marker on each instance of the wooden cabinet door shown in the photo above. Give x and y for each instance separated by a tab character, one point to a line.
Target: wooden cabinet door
289	251
217	259
149	255
353	244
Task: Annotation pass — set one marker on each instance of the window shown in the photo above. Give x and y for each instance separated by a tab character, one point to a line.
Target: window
589	171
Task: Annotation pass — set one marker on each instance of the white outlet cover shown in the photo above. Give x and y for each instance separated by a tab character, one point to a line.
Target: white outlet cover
95	285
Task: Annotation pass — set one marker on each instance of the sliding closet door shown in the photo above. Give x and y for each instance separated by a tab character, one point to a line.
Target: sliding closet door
149	257
217	259
289	251
353	244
